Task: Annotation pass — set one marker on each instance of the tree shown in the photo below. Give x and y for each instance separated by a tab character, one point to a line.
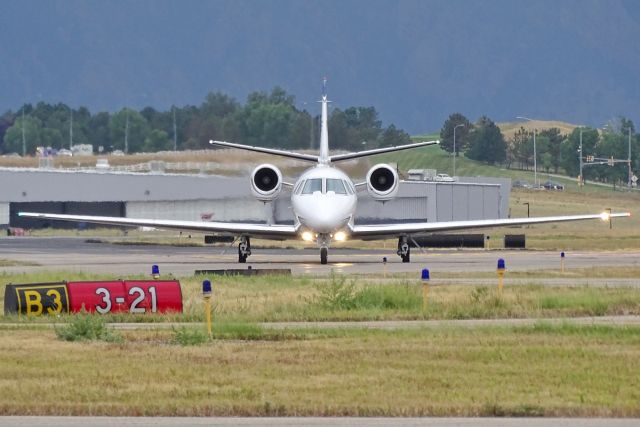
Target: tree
393	136
462	133
6	121
157	140
486	142
138	129
554	141
32	132
520	147
569	151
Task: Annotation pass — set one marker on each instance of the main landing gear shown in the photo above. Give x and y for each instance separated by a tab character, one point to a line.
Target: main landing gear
323	255
404	249
244	249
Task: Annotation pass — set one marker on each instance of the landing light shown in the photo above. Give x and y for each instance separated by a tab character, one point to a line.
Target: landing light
605	216
340	236
307	236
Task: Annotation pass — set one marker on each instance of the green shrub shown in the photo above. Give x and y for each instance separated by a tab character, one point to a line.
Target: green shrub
189	336
86	327
337	294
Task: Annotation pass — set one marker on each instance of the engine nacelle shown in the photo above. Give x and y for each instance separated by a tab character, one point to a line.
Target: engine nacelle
382	182
266	182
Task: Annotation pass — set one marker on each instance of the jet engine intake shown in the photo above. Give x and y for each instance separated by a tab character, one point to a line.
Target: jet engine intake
266	182
382	182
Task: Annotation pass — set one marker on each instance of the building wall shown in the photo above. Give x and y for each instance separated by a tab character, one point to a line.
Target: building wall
4	215
237	209
36	185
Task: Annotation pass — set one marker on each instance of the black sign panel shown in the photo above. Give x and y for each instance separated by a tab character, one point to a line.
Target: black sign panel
36	299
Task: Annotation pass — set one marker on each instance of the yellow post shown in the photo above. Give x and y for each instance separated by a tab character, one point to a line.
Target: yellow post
425	288
206	294
500	270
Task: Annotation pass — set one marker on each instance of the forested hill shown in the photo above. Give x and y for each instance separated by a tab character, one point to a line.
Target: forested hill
416	61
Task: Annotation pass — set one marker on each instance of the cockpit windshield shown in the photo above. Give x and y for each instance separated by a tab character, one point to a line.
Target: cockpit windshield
312	185
324	186
336	185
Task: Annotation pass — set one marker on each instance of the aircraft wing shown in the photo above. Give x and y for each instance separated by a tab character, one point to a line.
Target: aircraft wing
283	153
381	231
349	156
275	232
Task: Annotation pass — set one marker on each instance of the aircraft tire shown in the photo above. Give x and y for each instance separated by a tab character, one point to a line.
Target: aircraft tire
323	255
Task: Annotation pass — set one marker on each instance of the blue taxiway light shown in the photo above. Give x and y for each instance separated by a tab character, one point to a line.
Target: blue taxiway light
206	287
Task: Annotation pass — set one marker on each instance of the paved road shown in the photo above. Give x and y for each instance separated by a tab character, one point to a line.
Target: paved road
76	254
377	324
316	422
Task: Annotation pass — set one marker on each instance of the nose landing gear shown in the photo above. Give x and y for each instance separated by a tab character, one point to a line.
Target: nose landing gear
244	249
404	250
323	255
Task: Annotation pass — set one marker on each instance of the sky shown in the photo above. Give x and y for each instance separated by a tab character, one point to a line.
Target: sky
415	61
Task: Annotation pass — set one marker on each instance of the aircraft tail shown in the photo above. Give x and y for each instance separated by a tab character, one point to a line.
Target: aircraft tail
324	130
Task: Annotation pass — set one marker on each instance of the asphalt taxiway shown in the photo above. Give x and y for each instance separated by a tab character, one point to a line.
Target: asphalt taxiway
82	254
315	422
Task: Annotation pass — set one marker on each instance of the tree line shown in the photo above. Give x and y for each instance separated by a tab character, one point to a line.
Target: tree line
555	152
267	119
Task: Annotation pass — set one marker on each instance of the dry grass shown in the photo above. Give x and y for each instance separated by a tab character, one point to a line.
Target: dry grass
17	263
581	235
510	128
224	161
544	370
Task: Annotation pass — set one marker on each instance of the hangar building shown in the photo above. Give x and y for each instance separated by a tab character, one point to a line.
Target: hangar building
218	198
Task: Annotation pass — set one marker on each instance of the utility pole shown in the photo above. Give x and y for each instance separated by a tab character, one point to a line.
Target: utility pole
24	140
175	130
581	183
535	156
454	147
70	128
535	160
126	133
629	160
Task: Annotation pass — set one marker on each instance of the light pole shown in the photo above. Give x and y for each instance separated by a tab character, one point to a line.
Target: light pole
535	157
581	180
70	128
24	140
454	146
629	160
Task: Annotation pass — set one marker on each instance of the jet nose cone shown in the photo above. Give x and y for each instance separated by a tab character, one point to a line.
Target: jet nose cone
326	214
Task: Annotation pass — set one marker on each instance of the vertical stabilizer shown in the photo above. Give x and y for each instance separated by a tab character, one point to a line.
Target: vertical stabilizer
324	130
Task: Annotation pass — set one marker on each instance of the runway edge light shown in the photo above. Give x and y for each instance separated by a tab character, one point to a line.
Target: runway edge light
155	271
500	270
206	294
425	288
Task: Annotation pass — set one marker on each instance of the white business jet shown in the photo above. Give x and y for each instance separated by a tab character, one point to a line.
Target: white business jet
324	204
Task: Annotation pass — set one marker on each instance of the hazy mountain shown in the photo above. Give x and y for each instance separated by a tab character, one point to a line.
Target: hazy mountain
415	61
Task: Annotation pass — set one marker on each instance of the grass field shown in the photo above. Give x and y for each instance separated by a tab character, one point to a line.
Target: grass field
286	298
534	371
248	370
